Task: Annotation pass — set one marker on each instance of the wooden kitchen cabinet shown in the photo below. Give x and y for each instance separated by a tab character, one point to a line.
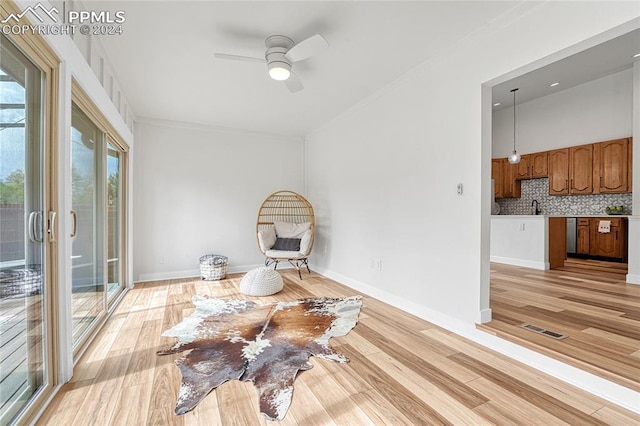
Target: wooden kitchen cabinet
583	235
539	164
581	169
504	175
611	167
559	172
497	173
571	170
532	166
522	168
511	187
611	244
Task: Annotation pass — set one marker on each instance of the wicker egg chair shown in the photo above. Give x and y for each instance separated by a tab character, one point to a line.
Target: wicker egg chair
285	229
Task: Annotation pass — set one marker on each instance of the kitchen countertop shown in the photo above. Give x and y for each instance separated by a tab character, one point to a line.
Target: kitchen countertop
530	216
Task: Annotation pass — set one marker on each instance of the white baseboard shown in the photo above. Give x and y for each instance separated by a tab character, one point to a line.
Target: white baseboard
633	279
159	276
173	275
485	316
588	382
521	262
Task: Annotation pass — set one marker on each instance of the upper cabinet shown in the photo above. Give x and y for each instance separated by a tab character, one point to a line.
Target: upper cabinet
511	187
612	167
532	166
497	172
539	163
504	177
559	172
599	168
581	169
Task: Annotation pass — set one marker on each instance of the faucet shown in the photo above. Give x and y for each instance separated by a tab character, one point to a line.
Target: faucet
535	210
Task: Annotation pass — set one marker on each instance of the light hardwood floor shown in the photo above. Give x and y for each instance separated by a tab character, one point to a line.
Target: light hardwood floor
403	371
587	300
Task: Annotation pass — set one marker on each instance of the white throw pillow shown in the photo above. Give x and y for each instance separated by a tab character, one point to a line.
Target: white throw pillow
291	230
267	238
305	243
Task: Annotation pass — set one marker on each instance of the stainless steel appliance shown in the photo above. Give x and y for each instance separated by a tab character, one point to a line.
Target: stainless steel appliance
572	232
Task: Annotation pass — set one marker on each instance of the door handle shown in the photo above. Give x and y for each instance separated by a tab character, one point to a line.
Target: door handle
35	220
51	229
74	231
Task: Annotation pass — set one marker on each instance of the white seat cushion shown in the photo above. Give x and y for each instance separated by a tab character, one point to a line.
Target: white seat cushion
267	238
261	281
291	230
282	254
305	243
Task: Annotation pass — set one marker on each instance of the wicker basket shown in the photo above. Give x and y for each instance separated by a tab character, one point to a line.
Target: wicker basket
213	267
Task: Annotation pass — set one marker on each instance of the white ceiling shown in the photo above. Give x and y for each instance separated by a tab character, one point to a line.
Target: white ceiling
165	65
590	64
164	59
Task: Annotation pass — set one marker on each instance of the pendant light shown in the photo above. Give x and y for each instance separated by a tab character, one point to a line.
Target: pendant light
514	158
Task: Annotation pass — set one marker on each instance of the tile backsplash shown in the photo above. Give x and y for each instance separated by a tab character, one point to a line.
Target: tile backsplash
538	189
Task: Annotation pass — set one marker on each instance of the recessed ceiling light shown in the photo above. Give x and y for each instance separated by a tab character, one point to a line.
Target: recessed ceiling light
554	84
497	104
637	55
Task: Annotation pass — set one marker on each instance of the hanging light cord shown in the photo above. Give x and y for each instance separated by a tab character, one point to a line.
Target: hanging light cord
514	119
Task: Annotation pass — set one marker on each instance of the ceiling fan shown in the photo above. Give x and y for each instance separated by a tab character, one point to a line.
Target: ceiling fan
281	53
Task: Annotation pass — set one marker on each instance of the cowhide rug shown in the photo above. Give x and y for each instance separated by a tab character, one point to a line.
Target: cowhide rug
264	344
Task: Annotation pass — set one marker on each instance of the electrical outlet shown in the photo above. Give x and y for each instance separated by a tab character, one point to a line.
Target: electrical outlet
379	265
522	226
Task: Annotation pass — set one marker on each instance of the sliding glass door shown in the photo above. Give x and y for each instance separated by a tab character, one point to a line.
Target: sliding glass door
23	287
97	236
87	258
114	222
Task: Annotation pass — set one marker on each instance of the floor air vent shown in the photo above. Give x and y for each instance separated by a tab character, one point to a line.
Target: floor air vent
544	331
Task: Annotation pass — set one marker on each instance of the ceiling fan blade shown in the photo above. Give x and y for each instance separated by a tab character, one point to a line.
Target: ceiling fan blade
238	57
307	48
293	83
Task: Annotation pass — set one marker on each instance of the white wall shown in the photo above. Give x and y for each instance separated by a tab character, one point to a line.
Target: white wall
592	112
397	157
197	191
520	240
633	275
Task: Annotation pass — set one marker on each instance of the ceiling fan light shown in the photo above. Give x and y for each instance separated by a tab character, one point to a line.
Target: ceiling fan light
279	70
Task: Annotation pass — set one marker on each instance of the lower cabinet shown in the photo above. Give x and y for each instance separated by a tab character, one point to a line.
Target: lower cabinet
583	235
612	243
593	241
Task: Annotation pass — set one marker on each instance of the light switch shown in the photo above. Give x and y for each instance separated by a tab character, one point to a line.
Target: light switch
459	189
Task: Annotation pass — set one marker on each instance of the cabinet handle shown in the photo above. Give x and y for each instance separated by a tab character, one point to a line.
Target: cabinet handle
566	183
571	187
